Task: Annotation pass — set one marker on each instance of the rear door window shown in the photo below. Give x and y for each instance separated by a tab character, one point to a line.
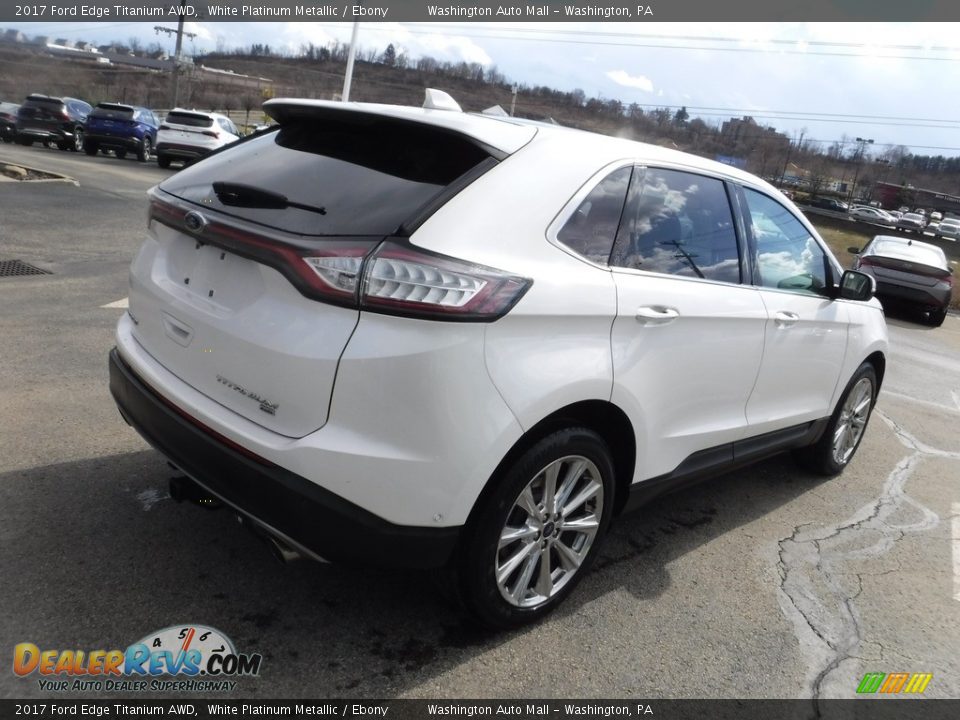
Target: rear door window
359	175
678	223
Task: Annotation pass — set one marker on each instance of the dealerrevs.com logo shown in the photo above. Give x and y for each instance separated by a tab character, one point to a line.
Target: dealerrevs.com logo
197	657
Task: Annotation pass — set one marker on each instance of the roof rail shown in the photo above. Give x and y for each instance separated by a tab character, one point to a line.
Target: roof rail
439	100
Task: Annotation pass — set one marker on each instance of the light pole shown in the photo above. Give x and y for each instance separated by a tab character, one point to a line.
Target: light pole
861	145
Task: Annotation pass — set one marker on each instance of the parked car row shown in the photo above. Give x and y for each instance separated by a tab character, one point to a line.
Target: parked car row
937	225
73	124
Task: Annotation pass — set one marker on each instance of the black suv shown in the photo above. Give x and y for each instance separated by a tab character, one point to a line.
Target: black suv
52	119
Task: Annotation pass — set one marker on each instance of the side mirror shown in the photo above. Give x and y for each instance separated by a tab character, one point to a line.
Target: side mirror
853	250
857	286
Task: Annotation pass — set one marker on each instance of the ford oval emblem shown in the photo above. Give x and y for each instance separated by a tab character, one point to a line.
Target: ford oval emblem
194	221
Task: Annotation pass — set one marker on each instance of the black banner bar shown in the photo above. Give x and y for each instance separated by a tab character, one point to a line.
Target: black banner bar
858	709
644	11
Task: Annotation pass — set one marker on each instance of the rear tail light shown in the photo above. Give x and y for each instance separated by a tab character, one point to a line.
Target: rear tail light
402	280
380	276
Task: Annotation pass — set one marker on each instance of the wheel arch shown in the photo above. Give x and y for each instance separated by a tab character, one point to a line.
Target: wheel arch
601	416
879	362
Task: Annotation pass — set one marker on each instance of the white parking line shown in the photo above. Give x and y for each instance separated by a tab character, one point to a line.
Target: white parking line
122	304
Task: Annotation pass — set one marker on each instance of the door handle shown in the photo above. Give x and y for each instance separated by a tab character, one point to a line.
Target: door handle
650	315
785	318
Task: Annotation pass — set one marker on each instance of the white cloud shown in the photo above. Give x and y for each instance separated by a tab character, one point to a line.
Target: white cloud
622	77
452	47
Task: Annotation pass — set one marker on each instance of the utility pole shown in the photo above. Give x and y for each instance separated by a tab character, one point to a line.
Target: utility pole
177	55
789	150
861	146
513	100
348	76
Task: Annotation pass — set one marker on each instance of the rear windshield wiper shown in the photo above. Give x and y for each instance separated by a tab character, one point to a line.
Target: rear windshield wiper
237	195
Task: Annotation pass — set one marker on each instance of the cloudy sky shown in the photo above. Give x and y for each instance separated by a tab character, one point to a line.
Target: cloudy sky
895	83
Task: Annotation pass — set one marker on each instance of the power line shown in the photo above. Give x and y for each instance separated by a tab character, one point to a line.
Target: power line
805	113
532	36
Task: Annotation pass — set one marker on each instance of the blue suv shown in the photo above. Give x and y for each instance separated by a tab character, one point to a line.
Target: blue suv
112	126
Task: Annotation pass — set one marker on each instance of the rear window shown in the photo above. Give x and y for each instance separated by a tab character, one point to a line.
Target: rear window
189	119
366	175
931	256
114	112
39	101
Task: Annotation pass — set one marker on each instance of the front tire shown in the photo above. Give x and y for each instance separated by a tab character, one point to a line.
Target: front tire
535	536
839	442
163	161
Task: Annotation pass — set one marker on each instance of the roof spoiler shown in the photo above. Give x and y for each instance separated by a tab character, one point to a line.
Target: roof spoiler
439	100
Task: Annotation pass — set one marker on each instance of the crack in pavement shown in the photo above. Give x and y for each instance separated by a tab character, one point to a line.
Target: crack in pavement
817	592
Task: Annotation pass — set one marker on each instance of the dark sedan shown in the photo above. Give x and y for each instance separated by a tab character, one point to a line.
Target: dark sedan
908	272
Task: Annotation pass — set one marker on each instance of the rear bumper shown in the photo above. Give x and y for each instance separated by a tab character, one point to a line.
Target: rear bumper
114	141
45	134
182	151
303	513
927	298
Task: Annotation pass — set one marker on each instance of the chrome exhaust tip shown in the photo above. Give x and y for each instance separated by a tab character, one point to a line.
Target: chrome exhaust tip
279	549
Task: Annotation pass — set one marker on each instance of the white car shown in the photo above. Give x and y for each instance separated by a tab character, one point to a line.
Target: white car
872	214
189	135
423	338
948	228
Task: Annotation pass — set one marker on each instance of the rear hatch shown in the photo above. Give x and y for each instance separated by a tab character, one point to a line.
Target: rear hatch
188	128
222	294
41	113
112	120
918	266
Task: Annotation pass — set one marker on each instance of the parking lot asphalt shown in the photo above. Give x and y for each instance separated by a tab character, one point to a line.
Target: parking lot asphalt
765	582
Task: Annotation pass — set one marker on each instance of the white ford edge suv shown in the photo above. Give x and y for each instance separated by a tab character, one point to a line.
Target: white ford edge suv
419	337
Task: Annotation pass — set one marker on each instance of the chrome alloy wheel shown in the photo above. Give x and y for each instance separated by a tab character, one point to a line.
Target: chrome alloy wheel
852	421
549	531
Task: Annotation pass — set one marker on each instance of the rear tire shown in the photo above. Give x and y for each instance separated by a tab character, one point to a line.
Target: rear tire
78	135
163	161
120	153
91	149
846	428
145	153
535	535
